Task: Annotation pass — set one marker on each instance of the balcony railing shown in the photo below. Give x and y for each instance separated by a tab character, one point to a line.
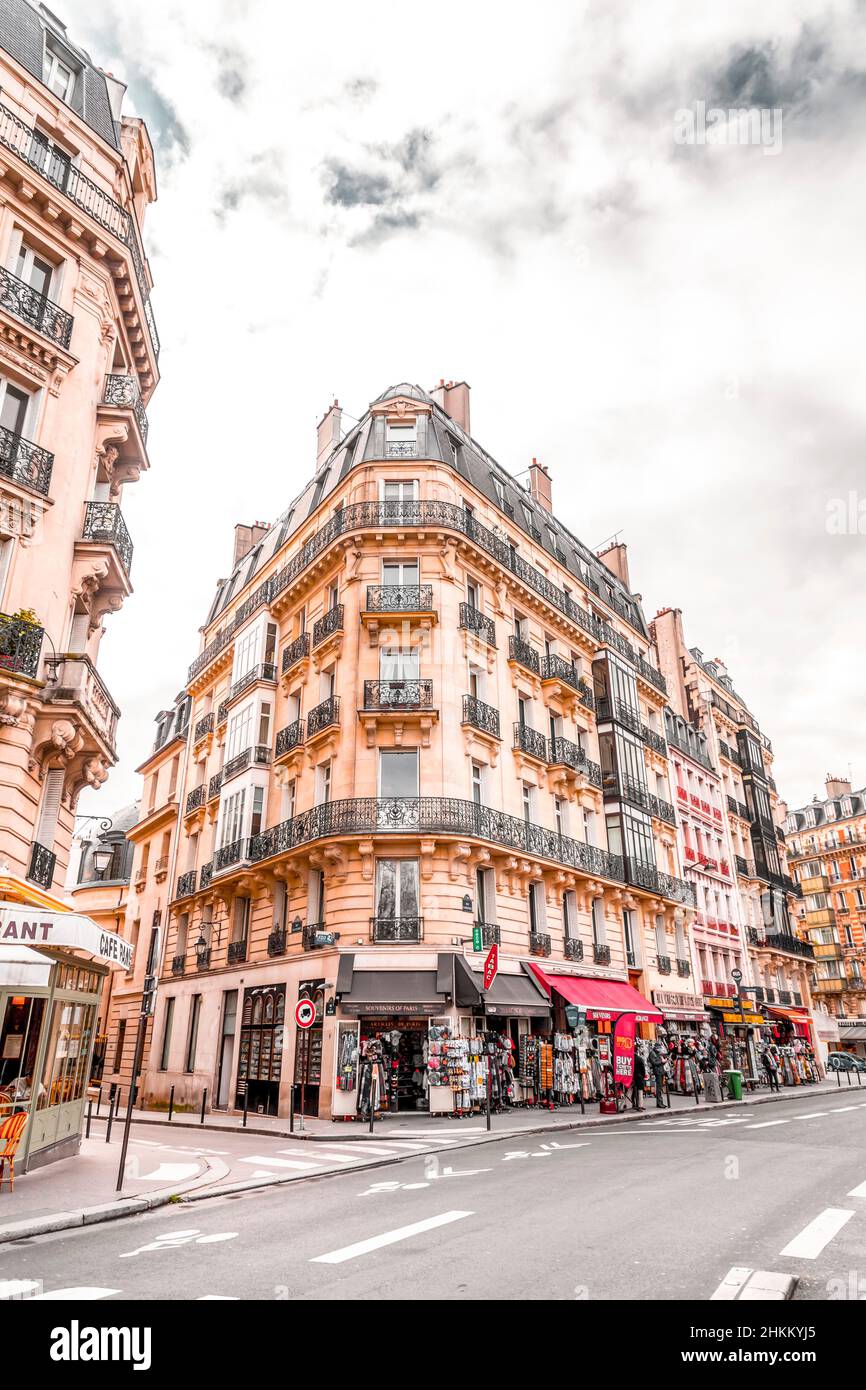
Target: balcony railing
265	671
396	928
737	808
196	798
277	942
684	968
653	740
524	654
24	462
481	716
530	741
781	941
214	785
323	715
232	853
539	943
74	679
295	652
203	726
178	964
237	951
124	391
473	620
206	874
332	622
649	673
20	645
40	870
664	965
202	958
573	949
563	752
186	884
399	598
103	521
394	450
24	303
601	954
222	713
405	694
491	935
556	668
662	810
259	756
292	736
693	751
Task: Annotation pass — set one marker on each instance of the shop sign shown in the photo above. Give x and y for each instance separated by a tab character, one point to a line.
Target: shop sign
669	999
623	1050
745	1020
387	1009
491	966
26	926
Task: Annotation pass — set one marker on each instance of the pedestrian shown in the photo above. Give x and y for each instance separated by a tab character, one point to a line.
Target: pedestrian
658	1062
771	1067
638	1080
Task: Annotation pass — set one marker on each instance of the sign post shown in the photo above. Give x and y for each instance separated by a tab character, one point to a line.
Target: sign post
491	969
305	1017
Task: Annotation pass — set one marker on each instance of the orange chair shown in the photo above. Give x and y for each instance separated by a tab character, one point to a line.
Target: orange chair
11	1131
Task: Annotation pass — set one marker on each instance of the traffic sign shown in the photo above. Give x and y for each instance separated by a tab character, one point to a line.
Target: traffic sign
305	1013
491	966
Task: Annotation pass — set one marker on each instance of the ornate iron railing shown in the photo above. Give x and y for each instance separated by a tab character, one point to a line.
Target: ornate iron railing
259	754
214	785
103	521
237	950
40	870
24	303
292	736
315	936
331	622
399	598
323	715
124	391
178	965
196	798
473	620
396	928
684	968
539	943
662	810
573	949
530	741
20	645
24	462
265	671
222	714
277	942
601	954
202	958
206	874
737	808
664	965
411	694
481	716
653	740
232	853
649	673
296	651
781	941
563	752
203	726
524	654
186	884
673	888
401	451
556	668
491	934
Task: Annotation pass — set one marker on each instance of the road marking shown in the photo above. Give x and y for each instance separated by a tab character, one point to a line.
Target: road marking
859	1191
767	1124
321	1157
172	1172
839	1109
274	1162
364	1247
83	1292
813	1115
812	1239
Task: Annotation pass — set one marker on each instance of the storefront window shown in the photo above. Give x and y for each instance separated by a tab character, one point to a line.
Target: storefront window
63	1070
19	1043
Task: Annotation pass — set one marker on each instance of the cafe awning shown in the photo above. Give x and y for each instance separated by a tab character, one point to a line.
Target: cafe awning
602	999
510	996
38	927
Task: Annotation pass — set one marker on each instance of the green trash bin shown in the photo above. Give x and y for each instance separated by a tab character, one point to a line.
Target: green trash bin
735	1084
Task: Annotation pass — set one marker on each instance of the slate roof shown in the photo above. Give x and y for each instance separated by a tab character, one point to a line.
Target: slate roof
857	801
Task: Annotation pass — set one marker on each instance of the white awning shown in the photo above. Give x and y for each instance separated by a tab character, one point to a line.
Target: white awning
35	927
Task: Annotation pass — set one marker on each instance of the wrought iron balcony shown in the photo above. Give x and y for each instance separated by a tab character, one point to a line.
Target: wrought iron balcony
524	654
265	671
684	968
744	866
222	714
103	521
601	954
556	668
295	652
737	808
620	786
573	949
473	620
399	598
237	951
186	884
481	716
649	673
400	694
621	712
662	810
785	997
124	391
178	964
24	462
563	753
277	942
396	928
20	645
23	302
329	624
393	450
40	870
653	740
529	741
233	853
323	716
491	935
202	958
664	965
781	941
539	943
258	756
289	738
204	726
214	785
196	798
206	874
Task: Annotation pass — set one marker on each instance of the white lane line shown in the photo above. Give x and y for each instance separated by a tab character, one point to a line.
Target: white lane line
88	1292
363	1247
321	1157
267	1161
840	1109
362	1147
767	1124
812	1239
858	1191
813	1115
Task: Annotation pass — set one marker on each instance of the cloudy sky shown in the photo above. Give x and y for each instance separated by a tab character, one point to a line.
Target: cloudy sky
367	193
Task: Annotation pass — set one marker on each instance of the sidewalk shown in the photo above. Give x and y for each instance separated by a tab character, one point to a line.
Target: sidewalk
169	1160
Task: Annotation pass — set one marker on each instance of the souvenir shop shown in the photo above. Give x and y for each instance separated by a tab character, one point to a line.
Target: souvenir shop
788	1033
735	1033
685	1033
260	1053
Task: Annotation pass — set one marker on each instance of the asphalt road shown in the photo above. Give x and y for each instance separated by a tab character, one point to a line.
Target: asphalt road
661	1209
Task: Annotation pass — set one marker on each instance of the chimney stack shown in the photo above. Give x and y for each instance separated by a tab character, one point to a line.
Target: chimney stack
328	433
616	559
836	786
246	537
453	398
539	485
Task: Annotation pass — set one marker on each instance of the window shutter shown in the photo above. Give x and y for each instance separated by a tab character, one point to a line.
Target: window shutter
46	827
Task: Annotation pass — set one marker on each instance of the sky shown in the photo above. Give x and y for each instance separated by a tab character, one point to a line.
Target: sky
669	317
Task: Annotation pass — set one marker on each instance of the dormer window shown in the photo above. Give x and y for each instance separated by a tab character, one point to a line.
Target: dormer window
58	70
402	441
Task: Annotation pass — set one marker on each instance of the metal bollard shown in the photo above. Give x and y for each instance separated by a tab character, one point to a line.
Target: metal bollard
108	1125
203	1104
170	1104
89	1118
246	1104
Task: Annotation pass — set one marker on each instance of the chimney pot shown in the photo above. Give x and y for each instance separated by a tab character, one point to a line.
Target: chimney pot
539	485
328	432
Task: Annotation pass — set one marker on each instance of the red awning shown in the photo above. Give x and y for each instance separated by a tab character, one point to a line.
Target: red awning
602	999
795	1015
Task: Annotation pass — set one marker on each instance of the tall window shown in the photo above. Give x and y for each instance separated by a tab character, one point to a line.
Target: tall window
397	892
168	1023
406	491
477	784
192	1035
121	1038
398	772
599	927
400	572
233	817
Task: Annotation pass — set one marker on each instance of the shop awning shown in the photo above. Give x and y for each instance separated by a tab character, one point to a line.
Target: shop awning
510	996
686	1016
852	1035
406	992
794	1015
602	999
35	926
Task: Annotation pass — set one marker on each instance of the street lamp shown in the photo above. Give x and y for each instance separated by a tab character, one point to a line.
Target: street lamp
102	857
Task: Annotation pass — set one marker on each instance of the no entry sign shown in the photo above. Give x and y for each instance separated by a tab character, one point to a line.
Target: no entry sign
305	1013
491	966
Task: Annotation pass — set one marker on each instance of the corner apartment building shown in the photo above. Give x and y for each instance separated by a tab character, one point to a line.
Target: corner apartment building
745	909
421	706
826	844
78	364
